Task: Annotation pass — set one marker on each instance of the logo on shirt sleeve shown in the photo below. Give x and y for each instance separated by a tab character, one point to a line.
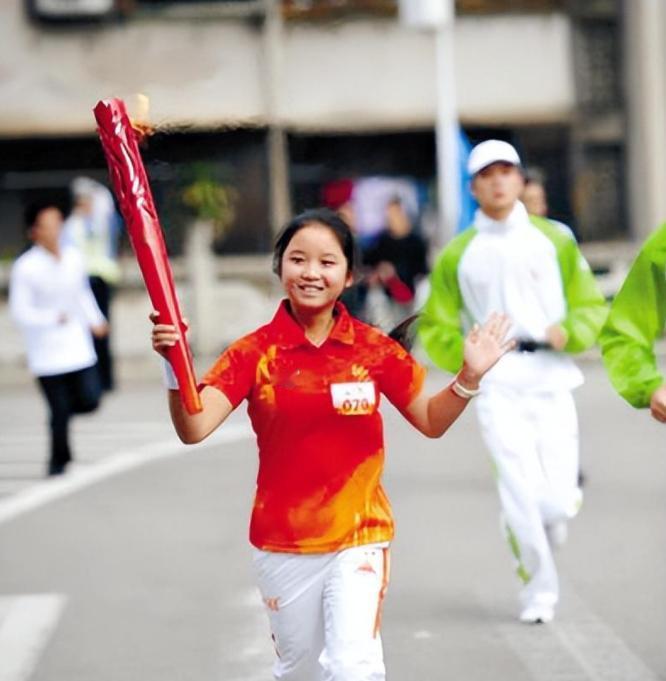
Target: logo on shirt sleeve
354	399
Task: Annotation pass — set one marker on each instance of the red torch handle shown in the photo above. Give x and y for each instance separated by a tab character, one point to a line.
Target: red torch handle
132	189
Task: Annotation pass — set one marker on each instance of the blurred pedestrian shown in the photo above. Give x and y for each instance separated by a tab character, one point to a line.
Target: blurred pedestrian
535	199
354	297
94	228
51	301
635	323
533	195
529	270
369	198
321	522
397	263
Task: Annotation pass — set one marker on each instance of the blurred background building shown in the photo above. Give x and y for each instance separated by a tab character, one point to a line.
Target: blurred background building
265	103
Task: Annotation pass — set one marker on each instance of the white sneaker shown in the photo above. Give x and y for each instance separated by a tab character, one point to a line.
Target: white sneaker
557	533
537	614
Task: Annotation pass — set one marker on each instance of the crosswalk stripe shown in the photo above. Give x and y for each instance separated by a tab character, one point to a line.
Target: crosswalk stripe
542	653
601	652
26	625
579	647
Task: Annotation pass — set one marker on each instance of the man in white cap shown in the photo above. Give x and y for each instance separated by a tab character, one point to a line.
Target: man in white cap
525	267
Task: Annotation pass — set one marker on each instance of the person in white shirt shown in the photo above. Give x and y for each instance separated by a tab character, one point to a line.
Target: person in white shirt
530	270
51	302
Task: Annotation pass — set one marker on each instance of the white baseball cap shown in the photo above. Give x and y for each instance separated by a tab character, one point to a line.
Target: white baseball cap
84	187
489	152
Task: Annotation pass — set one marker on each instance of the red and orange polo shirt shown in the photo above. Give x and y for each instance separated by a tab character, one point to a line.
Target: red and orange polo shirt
319	432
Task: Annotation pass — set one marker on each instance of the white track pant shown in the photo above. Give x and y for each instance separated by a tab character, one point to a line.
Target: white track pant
324	612
533	441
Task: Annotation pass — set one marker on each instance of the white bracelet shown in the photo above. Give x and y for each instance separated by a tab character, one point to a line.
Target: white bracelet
462	391
170	380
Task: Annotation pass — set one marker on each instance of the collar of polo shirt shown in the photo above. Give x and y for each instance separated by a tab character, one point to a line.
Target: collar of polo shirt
291	335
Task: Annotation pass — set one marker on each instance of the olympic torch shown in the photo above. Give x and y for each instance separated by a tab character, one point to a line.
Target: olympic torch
130	184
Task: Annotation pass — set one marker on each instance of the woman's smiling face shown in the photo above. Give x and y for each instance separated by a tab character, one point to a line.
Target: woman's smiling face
314	270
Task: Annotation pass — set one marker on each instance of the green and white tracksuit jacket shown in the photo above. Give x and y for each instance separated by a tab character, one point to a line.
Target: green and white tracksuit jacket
635	322
529	269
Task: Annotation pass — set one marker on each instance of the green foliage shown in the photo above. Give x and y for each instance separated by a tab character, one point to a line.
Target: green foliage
210	199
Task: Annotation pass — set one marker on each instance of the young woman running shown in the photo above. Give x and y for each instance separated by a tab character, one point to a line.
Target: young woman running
321	522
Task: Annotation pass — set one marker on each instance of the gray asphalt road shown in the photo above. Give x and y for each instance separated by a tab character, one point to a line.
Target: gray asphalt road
144	574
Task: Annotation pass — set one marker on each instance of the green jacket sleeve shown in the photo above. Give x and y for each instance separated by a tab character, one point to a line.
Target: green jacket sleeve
440	324
586	305
635	322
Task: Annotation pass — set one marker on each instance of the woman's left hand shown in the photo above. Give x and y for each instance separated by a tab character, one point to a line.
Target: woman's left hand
484	346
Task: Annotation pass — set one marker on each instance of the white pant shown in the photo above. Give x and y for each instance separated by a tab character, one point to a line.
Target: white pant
533	440
324	612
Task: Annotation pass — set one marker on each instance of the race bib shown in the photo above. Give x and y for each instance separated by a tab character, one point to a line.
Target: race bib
353	399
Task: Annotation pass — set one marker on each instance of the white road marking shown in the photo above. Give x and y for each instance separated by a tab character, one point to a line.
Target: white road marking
543	655
18	441
599	650
55	488
26	625
577	647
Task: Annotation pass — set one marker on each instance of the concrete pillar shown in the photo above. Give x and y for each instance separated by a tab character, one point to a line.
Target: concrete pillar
202	281
645	88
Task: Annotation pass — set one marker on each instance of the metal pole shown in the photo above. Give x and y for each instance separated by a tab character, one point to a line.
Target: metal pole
278	153
439	16
446	136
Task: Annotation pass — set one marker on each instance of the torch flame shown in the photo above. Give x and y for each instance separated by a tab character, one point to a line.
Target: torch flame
141	120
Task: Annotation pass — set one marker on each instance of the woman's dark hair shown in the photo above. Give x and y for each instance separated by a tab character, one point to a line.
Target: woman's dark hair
405	332
322	216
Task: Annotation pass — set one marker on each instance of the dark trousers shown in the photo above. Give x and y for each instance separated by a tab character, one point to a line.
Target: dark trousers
76	392
103	294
